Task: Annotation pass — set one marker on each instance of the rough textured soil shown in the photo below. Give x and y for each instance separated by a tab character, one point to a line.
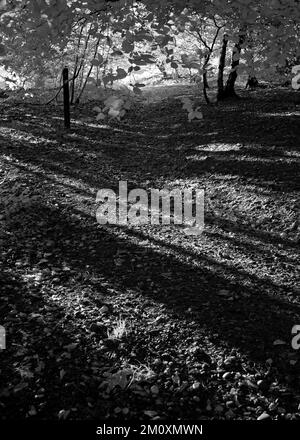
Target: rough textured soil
147	322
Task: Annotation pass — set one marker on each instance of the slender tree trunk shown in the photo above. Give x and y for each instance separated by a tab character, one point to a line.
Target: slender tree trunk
81	76
210	50
74	79
229	91
89	73
221	68
98	82
205	81
75	74
78	69
252	81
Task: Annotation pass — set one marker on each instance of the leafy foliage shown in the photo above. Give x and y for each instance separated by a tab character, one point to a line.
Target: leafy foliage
39	37
115	105
193	111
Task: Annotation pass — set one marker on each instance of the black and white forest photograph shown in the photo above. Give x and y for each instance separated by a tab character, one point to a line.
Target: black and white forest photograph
149	218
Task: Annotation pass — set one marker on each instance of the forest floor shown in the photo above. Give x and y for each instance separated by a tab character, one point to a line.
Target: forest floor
146	322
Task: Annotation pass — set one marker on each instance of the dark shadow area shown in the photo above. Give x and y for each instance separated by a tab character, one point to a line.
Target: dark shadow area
38	334
247	324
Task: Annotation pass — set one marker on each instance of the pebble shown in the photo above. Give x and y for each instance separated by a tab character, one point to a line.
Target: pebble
263	416
195	386
226	376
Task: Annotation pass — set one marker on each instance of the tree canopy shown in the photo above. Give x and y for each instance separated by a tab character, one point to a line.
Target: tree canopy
36	32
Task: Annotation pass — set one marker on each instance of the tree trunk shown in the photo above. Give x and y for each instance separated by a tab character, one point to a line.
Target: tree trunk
76	65
209	49
252	81
229	91
205	81
221	68
81	66
89	73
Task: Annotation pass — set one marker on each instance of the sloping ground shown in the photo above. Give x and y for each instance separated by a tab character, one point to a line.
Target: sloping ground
147	322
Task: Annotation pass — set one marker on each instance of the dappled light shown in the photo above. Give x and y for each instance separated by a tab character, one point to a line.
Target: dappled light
149	212
235	277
